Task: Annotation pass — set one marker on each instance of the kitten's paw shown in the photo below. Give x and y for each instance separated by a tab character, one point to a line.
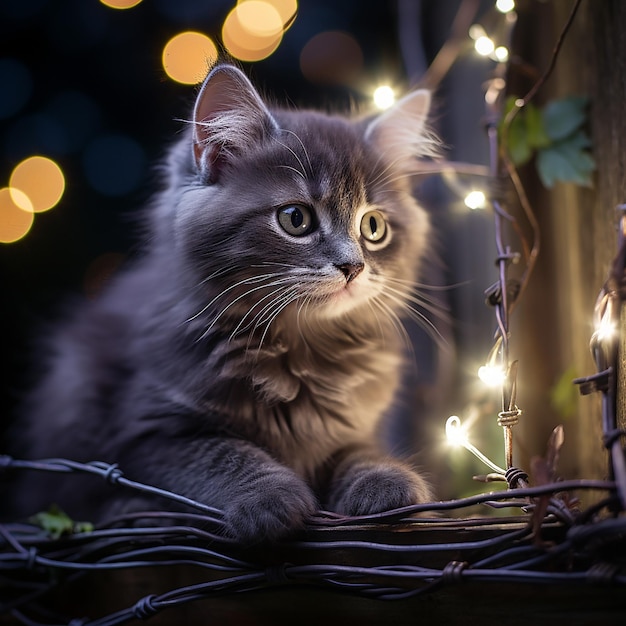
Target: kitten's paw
272	506
379	488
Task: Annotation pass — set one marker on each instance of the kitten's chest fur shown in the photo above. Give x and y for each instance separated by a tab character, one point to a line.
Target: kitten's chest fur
306	393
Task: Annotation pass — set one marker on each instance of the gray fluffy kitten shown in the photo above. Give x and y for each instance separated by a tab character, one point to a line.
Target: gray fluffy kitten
245	360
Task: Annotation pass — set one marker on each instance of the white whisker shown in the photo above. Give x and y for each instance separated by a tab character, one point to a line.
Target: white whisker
281	304
306	153
240	328
293	169
395	320
249	280
303	172
233	302
431	306
378	322
425	286
421	319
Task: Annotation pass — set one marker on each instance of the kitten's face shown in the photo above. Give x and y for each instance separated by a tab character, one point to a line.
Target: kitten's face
309	215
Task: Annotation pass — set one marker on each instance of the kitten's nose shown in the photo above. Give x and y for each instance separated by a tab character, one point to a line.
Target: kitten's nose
351	270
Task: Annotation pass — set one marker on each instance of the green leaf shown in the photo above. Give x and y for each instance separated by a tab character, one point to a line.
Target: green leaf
555	133
561	118
526	132
519	148
517	144
56	522
566	161
537	135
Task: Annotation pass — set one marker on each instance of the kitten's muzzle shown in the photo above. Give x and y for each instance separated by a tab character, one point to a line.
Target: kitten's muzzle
350	270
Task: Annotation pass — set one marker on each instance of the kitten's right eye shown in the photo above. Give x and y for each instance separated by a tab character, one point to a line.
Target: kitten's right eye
297	220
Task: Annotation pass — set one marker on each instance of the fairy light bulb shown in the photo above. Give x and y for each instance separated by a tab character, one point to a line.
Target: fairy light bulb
475	200
484	46
501	53
492	375
456	434
476	31
505	6
384	97
606	329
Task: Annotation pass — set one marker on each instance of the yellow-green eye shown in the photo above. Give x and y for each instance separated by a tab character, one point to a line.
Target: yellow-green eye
373	226
297	220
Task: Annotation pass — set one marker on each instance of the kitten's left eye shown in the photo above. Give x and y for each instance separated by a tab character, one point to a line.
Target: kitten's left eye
296	219
373	226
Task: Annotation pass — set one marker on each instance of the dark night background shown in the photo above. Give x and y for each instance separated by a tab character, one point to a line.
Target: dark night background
83	84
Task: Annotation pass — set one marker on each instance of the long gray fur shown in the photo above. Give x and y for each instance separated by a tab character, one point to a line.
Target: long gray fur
231	361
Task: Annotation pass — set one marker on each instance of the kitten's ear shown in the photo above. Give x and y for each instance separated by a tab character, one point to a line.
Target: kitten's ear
400	131
228	116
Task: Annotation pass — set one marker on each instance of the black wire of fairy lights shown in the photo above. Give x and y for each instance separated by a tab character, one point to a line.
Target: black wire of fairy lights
506	292
607	347
585	550
609	311
33	564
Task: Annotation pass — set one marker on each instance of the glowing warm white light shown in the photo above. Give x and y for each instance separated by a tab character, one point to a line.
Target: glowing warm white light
187	57
475	200
605	330
501	53
505	6
476	31
491	375
384	97
456	434
484	46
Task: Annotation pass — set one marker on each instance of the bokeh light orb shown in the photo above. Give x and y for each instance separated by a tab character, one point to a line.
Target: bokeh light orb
188	56
475	199
287	9
120	4
332	58
384	97
484	46
252	30
505	6
15	222
259	18
41	180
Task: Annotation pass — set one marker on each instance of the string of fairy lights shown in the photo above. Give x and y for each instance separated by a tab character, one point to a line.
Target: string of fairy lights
251	31
553	543
497	372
